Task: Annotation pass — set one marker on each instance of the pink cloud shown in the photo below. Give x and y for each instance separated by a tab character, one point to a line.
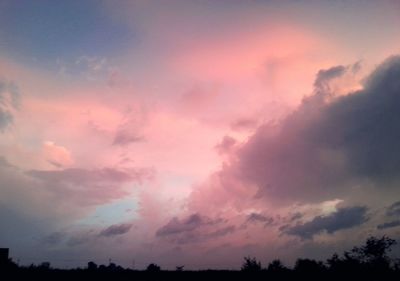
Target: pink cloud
57	155
90	187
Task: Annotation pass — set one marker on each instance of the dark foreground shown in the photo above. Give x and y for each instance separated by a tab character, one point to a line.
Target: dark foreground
368	262
27	274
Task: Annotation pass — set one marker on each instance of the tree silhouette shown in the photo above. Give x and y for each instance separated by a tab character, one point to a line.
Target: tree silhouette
92	266
276	266
308	265
251	265
44	266
368	261
375	250
153	268
339	265
373	255
277	270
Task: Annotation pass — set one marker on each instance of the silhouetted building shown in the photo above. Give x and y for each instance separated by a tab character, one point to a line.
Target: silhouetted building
4	255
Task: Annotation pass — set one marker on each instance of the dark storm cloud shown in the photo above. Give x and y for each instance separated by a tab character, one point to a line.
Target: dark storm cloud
116	229
365	125
328	142
9	101
342	219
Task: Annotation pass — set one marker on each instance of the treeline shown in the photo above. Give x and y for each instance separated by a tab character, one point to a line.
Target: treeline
370	261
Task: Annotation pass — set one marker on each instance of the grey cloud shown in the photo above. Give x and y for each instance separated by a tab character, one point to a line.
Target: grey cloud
80	238
116	229
394	209
342	219
125	137
194	229
296	216
9	101
356	67
6	119
221	232
244	124
324	76
256	217
5	163
54	238
130	129
389	224
196	237
176	226
9	94
225	145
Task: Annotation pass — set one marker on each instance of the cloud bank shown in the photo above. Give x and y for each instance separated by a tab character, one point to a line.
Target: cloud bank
329	143
332	146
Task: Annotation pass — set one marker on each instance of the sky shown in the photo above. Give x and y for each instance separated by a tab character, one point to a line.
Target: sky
196	132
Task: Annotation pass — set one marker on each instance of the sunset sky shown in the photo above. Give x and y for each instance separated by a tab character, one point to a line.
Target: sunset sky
197	132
